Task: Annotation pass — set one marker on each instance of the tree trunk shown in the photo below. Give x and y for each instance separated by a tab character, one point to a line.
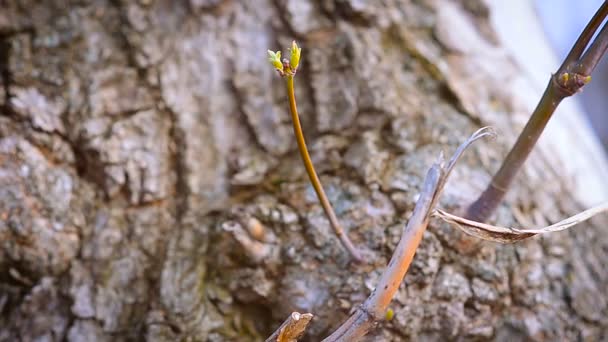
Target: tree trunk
151	188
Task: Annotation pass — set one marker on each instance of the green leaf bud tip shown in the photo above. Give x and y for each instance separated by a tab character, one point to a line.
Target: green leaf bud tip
389	314
296	51
275	59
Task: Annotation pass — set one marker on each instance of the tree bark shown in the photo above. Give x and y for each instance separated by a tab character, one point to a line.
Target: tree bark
151	188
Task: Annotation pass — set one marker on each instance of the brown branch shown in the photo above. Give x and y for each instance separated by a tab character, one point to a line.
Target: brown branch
571	76
594	53
583	40
489	200
374	308
292	329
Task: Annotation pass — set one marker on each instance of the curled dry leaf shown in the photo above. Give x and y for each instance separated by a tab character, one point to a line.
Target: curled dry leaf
509	235
292	329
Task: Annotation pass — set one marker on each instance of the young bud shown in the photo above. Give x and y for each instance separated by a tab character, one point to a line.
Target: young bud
587	79
275	59
563	78
389	314
294	60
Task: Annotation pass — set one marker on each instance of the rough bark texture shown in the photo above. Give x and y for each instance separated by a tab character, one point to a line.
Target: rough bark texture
150	187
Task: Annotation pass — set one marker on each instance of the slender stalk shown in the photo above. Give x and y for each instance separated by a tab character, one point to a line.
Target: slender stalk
312	174
571	76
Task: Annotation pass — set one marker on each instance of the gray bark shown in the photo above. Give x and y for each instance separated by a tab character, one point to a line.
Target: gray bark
151	190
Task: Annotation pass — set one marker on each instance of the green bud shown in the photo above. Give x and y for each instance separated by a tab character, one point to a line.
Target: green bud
587	79
389	314
296	51
275	59
563	78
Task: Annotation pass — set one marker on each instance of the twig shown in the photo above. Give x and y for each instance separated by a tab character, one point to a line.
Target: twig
571	76
314	179
288	69
595	52
292	329
509	235
374	308
585	37
489	200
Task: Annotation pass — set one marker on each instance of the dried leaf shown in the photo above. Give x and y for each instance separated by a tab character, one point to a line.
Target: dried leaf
509	235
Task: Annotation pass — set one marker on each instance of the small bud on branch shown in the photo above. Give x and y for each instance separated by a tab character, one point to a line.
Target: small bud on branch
571	77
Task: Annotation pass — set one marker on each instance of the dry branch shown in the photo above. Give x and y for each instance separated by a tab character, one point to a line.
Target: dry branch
374	308
292	329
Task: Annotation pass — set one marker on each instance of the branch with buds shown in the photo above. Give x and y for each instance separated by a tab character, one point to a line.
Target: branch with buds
287	68
571	77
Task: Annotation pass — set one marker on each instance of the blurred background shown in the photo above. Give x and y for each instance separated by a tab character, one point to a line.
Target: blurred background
563	20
